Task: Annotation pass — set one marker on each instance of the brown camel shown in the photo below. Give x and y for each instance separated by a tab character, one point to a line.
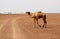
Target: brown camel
38	15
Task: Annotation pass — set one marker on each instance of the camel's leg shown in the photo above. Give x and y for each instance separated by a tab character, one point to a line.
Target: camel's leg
37	21
34	22
45	22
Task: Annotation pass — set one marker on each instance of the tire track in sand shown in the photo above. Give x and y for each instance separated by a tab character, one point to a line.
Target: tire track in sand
15	28
4	23
5	30
17	33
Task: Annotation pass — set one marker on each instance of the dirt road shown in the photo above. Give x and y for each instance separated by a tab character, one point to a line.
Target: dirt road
21	27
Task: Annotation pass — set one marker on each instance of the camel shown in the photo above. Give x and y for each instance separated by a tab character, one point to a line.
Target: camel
38	15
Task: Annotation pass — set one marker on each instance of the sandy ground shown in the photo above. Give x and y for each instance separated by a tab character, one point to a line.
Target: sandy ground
21	27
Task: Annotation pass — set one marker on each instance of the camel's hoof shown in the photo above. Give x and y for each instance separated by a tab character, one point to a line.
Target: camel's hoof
34	26
44	26
39	25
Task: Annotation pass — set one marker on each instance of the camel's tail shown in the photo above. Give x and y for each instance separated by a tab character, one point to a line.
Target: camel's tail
45	22
44	18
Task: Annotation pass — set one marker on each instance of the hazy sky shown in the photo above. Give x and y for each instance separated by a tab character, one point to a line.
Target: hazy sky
29	5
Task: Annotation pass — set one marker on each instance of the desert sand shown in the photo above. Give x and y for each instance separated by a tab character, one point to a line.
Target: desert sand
20	26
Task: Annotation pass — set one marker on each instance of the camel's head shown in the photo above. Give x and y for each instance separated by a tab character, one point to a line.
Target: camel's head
28	13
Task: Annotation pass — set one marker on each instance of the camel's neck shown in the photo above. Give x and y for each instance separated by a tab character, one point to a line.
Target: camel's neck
31	15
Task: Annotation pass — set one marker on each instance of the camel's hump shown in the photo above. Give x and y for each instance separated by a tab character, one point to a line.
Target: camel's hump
38	14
